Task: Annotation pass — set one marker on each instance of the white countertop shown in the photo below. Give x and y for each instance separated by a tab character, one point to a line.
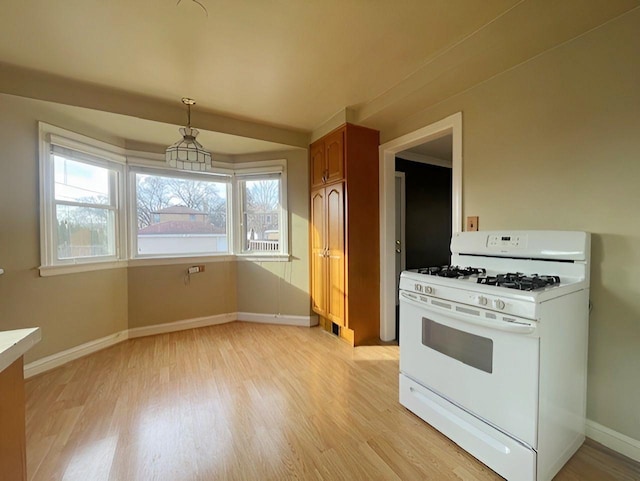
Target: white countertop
14	344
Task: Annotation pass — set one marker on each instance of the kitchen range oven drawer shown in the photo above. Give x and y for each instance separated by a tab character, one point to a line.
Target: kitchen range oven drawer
503	454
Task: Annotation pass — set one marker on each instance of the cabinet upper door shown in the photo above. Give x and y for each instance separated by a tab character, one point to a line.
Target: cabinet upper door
318	164
334	154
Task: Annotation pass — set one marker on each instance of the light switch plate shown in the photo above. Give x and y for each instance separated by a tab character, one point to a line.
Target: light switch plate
472	223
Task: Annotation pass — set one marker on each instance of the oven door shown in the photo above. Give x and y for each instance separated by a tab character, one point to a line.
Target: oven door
474	359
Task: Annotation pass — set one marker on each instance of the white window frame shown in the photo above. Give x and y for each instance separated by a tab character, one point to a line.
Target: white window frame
149	165
127	164
92	152
244	170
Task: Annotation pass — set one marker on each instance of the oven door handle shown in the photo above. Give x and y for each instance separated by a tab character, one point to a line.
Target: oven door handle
513	327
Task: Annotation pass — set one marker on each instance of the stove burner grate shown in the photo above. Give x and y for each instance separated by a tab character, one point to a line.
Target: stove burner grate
520	281
510	280
452	271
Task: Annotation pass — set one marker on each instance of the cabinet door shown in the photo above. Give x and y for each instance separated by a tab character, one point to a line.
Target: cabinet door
318	164
318	259
334	153
335	246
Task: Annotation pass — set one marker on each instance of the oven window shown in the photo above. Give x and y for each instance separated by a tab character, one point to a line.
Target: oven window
468	348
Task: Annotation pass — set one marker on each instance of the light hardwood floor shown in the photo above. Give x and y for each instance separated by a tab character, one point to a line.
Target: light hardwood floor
247	402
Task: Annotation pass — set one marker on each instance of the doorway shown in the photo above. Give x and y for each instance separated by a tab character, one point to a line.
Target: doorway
450	126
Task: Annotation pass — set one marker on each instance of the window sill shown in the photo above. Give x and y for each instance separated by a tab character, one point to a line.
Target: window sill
263	257
48	271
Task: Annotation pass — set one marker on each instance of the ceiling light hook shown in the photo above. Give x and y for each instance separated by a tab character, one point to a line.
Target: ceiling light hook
188	102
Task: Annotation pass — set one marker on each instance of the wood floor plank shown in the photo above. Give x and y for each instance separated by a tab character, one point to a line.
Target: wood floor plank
245	401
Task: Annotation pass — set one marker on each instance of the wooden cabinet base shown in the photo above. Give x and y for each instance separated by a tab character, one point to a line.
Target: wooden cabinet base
346	334
13	455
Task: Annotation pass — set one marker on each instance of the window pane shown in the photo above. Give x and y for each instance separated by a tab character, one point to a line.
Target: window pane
261	215
180	216
80	182
85	232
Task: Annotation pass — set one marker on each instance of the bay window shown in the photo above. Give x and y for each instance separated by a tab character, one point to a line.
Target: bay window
87	189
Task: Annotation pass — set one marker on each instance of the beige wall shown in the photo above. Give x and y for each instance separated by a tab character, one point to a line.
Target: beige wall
160	294
282	287
563	126
555	144
71	309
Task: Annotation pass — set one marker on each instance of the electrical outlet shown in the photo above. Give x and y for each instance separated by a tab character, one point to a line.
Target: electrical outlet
472	223
193	270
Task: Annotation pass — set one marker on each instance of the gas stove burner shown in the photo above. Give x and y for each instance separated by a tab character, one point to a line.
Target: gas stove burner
520	281
452	271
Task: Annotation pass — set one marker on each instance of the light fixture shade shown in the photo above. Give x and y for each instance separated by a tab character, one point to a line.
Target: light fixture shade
188	153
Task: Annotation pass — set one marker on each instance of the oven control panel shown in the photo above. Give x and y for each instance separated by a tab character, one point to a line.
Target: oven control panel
505	240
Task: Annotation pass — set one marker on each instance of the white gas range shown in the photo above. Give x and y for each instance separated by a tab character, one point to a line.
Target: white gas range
493	353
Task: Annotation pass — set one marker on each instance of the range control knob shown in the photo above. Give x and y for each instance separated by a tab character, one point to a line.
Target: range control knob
498	304
428	289
482	300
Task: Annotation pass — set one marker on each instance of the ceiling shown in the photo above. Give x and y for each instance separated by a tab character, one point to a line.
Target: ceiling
289	63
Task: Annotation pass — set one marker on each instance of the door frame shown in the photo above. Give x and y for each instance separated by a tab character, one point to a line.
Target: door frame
387	155
403	209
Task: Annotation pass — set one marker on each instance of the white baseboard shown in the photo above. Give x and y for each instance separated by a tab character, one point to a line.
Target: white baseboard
60	358
283	319
181	325
613	440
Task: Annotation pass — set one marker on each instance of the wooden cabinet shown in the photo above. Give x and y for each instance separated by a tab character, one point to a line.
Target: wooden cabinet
13	448
327	251
318	253
345	275
327	159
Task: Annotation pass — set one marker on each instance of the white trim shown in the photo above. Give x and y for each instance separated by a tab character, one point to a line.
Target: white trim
403	220
61	269
82	143
426	159
68	355
181	325
280	319
388	150
243	169
48	271
114	162
263	258
60	358
613	440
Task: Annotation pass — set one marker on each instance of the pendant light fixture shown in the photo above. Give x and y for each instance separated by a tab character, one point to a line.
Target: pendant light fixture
188	153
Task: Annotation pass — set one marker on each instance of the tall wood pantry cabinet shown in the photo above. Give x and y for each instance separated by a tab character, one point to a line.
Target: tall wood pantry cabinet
344	237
